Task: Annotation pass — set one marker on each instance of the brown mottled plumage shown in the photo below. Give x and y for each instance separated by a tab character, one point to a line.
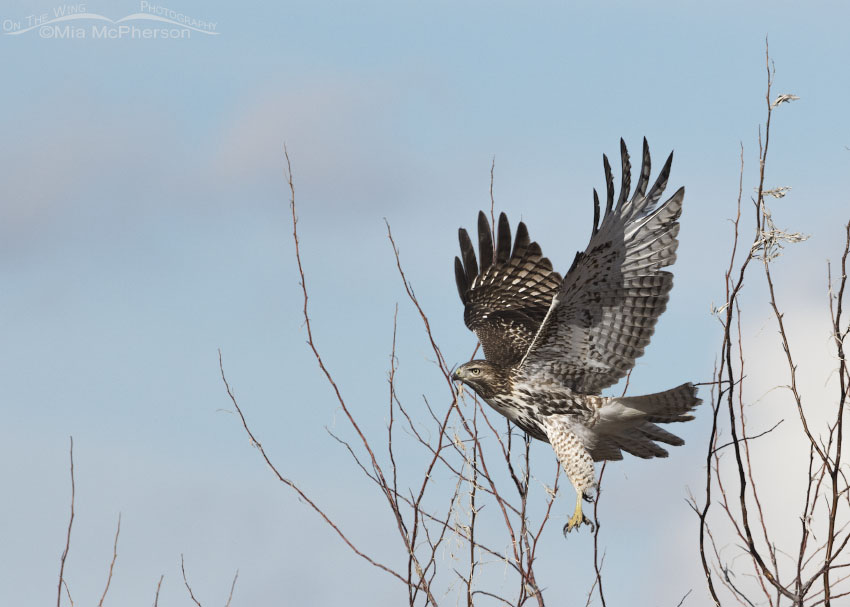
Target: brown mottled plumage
553	344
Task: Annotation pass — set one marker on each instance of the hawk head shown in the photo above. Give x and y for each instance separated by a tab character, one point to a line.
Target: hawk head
486	378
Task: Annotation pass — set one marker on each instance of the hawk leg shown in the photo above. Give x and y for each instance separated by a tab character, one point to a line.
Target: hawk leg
576	462
578	518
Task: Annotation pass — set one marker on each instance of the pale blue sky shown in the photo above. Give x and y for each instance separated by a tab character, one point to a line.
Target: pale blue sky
144	224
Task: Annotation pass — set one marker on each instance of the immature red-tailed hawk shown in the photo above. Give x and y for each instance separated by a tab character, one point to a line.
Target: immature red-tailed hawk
553	344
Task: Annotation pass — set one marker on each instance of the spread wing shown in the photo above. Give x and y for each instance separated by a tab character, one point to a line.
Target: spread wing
507	297
605	311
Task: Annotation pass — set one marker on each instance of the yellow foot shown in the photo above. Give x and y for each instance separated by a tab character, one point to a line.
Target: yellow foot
578	518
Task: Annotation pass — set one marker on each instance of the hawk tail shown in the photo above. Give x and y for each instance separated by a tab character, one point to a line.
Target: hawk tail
628	423
673	405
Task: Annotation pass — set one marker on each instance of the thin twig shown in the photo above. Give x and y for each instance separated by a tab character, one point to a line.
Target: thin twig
291	484
68	535
682	602
112	564
158	586
186	582
409	540
748	438
232	586
597	560
68	592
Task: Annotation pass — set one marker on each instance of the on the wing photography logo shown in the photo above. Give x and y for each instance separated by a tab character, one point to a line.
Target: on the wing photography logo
75	22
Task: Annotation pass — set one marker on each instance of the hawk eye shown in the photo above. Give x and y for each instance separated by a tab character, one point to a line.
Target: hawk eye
475	371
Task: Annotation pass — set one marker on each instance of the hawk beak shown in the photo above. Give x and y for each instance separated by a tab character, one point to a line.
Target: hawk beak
455	376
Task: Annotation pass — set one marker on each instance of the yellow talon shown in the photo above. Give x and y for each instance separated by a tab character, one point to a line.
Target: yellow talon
578	517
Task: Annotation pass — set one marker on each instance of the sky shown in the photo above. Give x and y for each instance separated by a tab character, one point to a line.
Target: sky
144	225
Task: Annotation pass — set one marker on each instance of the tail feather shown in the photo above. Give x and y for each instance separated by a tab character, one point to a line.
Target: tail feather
606	449
664	407
653	432
640	446
628	423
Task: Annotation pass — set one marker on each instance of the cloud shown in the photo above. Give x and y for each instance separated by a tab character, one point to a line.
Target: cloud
341	137
780	458
75	166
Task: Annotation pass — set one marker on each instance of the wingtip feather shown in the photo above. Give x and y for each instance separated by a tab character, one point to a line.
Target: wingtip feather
521	240
645	168
470	263
460	279
503	240
609	185
485	241
626	177
595	213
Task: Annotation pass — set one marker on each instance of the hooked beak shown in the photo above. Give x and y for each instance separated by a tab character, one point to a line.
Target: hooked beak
455	376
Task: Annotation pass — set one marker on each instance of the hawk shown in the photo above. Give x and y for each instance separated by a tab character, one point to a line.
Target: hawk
552	344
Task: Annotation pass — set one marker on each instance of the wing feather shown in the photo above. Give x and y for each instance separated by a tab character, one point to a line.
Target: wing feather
503	243
645	168
609	184
468	253
605	312
626	174
460	279
485	242
507	297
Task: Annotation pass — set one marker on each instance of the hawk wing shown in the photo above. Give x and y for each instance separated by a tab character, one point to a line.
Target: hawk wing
508	296
603	315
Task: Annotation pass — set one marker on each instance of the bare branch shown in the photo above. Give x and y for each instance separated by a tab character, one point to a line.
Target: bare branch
748	438
597	560
158	586
291	484
68	535
68	592
232	587
112	564
186	582
682	602
824	476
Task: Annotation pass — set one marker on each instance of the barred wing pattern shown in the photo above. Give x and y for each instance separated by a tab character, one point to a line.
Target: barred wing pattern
605	312
508	296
